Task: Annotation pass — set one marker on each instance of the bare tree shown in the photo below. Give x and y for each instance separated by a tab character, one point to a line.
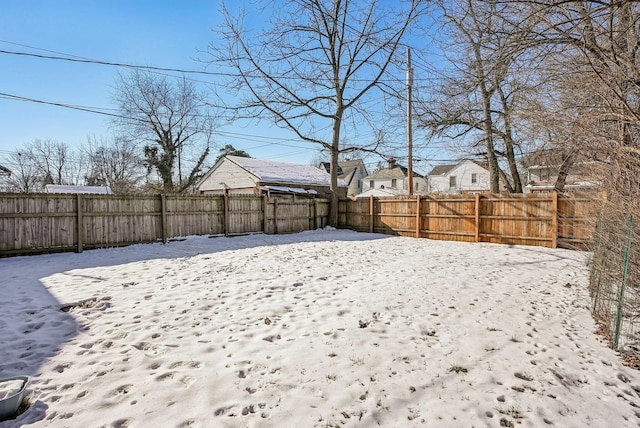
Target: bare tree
481	97
171	120
317	67
25	176
114	163
600	42
42	162
51	158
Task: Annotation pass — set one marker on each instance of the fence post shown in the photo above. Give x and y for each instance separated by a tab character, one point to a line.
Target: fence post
371	218
554	220
477	219
625	270
163	219
315	214
226	214
80	221
275	216
264	213
596	272
418	216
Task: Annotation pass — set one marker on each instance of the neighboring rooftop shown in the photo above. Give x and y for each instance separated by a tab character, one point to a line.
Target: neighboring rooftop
60	188
272	171
441	169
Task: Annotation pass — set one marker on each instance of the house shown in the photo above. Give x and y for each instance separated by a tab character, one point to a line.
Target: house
394	178
464	176
5	174
60	188
249	176
351	172
543	169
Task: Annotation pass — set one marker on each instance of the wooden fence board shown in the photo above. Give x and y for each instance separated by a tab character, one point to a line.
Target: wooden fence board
33	223
532	219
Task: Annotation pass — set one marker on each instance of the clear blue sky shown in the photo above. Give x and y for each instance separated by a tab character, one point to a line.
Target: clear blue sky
162	33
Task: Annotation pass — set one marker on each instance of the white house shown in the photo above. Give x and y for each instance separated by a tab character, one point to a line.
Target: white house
543	177
395	179
242	175
351	172
465	176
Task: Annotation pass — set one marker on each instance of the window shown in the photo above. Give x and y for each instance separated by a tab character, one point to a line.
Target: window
452	182
393	182
474	178
371	184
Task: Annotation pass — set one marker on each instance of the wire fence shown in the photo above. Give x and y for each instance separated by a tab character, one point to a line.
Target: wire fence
615	281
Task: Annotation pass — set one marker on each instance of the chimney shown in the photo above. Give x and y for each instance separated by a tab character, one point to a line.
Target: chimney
392	163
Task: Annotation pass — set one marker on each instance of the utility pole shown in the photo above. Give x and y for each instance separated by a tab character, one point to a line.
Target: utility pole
409	127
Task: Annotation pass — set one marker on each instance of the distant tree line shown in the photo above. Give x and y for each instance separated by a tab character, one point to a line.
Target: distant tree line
118	162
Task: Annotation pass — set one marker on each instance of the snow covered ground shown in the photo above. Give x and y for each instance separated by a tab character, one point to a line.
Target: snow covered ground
323	328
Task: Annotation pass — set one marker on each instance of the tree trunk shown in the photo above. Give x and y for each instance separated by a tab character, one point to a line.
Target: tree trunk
335	150
494	169
567	162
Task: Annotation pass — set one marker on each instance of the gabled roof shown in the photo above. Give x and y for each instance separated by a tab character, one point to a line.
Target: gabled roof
281	172
398	171
346	169
327	167
444	169
5	171
441	169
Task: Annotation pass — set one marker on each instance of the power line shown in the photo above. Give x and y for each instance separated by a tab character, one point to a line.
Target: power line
96	110
76	59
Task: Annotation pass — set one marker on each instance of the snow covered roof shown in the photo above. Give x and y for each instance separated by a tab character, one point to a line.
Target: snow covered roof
60	188
285	189
281	172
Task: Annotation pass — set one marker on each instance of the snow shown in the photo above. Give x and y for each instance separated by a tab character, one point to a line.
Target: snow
321	328
291	190
284	172
10	387
63	188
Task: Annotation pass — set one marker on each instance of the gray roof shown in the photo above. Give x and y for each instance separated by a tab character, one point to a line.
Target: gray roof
346	169
398	171
349	169
441	169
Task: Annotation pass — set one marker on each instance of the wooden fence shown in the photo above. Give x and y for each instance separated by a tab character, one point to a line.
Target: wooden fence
35	223
548	220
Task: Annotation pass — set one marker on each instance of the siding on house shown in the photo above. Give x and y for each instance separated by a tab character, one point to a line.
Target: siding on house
229	174
465	176
543	178
394	177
